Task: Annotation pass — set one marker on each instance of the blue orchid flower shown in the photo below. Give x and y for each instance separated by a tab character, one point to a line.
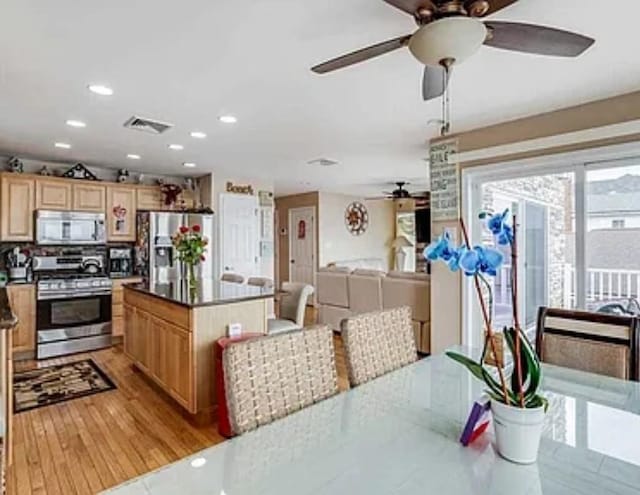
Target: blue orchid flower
498	226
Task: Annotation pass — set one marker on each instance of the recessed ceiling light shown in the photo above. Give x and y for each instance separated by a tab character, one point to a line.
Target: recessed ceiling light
76	123
100	89
176	147
189	164
64	146
198	135
133	156
228	119
198	462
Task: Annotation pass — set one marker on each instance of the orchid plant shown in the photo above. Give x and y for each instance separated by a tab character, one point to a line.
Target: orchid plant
481	262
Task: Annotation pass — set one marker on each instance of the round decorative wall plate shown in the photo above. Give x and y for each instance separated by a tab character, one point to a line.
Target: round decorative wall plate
356	218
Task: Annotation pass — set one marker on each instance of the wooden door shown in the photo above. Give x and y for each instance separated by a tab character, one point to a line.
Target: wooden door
89	197
179	364
302	232
149	198
240	234
17	202
121	214
22	299
53	194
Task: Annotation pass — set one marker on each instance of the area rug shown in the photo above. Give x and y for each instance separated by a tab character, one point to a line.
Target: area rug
58	383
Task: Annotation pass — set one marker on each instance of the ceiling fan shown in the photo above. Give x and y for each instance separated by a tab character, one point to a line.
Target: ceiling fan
452	30
401	193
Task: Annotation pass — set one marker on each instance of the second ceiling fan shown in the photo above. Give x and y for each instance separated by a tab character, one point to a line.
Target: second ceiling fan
452	30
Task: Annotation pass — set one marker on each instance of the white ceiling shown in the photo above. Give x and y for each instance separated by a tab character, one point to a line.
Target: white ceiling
189	61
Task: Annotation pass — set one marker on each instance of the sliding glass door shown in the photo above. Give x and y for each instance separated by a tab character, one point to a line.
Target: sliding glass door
578	230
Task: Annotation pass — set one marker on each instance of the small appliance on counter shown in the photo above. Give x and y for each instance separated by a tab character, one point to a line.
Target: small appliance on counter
120	262
73	303
18	265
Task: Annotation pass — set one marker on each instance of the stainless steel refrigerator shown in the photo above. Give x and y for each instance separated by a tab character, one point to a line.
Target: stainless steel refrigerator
155	254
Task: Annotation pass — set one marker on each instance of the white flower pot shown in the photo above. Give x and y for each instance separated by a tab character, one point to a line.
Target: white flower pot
518	431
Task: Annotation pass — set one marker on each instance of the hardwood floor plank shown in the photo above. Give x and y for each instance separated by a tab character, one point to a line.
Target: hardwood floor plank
93	443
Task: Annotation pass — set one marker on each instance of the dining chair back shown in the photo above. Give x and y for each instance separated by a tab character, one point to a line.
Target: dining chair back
232	277
599	343
263	282
377	343
271	377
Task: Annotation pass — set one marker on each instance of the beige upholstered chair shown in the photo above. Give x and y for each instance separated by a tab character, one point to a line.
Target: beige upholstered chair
594	342
264	282
292	308
232	277
271	377
377	343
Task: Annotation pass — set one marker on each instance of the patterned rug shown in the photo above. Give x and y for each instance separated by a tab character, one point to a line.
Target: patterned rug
58	383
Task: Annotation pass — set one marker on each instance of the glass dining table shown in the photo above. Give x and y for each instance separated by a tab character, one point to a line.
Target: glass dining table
398	434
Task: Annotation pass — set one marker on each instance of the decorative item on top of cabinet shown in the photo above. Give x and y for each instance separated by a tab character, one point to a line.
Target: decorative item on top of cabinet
89	197
121	213
53	194
79	171
17	202
23	304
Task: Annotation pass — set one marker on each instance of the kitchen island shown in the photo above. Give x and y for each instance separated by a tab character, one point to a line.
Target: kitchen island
170	331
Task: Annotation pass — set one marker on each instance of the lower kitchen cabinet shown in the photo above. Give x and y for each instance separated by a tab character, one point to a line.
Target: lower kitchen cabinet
22	299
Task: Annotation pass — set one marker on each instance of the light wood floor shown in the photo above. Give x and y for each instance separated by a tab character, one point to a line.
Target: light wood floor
86	445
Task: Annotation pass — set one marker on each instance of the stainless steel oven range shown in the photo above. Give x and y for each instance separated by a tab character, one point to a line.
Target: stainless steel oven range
73	304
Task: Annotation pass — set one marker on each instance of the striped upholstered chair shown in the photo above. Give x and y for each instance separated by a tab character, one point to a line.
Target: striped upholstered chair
595	342
377	343
271	377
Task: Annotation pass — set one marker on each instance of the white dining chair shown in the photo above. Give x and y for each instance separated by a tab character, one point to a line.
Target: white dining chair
292	308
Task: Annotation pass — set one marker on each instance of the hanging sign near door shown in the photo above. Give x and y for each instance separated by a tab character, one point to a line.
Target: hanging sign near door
302	229
445	180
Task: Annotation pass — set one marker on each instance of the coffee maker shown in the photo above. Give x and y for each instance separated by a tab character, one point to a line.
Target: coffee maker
120	262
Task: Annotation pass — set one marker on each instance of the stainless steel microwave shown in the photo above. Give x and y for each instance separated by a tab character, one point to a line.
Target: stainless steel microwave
69	228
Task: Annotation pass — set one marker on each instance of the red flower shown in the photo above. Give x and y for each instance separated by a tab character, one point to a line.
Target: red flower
184	230
196	228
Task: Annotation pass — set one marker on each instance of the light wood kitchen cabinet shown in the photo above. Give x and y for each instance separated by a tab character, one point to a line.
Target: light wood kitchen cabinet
17	202
53	194
89	197
121	229
22	299
149	198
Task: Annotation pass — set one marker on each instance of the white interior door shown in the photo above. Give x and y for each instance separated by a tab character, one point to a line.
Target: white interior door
302	242
240	234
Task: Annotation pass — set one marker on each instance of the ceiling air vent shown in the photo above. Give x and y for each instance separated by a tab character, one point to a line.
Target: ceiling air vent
323	162
147	125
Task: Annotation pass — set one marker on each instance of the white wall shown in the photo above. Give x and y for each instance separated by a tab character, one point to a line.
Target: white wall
336	243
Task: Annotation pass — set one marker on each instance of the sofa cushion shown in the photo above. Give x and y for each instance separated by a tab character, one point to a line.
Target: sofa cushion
407	291
332	288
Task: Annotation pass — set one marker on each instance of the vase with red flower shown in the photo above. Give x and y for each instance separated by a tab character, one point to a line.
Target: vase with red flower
190	246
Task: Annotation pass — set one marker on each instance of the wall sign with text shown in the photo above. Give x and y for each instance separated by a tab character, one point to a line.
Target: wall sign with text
445	180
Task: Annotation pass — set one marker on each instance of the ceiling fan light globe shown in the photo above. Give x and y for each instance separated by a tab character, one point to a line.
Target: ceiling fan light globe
451	38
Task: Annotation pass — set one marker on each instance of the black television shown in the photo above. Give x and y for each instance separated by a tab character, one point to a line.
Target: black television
423	225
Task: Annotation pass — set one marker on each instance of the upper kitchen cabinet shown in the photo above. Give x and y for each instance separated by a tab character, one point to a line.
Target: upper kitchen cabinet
17	201
149	198
89	197
53	194
121	213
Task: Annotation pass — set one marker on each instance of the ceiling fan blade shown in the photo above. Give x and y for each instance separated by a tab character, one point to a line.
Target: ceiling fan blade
495	5
362	55
433	82
410	6
532	38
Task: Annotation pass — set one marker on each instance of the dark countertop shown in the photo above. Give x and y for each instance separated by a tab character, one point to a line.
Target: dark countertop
206	293
7	319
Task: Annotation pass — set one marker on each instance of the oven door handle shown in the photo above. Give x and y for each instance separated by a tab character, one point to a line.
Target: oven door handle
72	295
